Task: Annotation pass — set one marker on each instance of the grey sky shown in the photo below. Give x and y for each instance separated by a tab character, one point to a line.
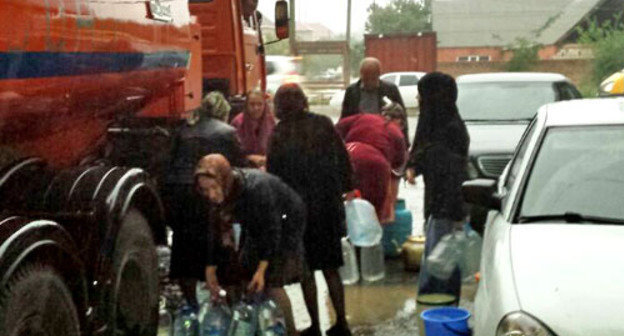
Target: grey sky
331	13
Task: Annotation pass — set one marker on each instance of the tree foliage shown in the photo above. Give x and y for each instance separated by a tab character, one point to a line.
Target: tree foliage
525	55
278	48
607	43
399	16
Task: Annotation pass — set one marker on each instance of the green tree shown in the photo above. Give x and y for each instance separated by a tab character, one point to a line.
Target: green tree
607	43
525	55
357	55
278	48
399	16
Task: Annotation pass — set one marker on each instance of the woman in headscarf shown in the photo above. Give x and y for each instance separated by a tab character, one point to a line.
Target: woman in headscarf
266	254
254	128
306	152
378	152
440	154
205	132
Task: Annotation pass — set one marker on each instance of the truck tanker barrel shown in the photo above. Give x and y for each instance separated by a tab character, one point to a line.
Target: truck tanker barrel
68	68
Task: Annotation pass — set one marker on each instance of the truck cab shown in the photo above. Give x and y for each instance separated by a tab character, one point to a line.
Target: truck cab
233	59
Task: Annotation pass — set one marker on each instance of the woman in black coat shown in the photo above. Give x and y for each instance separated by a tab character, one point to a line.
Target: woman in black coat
205	133
306	152
267	253
440	154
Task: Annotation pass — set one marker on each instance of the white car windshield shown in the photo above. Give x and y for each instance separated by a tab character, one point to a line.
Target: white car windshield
578	170
493	101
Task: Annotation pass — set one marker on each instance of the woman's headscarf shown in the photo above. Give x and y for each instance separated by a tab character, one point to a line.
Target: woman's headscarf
214	166
253	133
439	119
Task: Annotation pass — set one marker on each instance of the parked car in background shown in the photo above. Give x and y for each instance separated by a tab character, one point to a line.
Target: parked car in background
497	107
408	85
281	70
552	249
407	82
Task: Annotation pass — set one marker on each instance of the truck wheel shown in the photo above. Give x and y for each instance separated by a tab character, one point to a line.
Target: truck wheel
38	303
136	278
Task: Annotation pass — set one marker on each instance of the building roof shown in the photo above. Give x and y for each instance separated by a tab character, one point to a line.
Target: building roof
512	77
602	111
482	23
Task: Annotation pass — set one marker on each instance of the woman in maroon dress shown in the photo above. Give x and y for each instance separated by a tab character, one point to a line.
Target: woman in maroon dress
378	151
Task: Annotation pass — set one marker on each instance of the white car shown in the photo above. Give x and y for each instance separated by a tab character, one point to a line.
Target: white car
281	70
554	238
408	85
406	81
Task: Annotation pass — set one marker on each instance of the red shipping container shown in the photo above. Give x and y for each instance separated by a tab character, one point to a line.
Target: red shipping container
403	52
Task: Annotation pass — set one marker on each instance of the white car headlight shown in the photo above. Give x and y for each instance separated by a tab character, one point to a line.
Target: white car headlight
521	324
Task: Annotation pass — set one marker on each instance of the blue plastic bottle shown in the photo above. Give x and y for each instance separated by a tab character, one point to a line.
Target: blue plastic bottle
186	322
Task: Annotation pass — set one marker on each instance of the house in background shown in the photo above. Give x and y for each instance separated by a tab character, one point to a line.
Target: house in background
483	30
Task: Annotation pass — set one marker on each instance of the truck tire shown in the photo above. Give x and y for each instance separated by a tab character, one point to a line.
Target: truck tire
37	302
135	291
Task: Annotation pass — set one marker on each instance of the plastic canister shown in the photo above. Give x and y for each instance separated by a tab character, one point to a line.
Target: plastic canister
429	301
396	233
446	321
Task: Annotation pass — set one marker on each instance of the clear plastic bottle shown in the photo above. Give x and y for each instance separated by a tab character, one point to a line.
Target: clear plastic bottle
244	322
349	271
271	320
216	317
186	322
373	267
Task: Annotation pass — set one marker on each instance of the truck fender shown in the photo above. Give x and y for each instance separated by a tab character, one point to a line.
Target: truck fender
26	242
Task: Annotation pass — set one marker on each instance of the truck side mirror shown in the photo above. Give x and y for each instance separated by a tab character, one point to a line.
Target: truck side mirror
281	19
482	192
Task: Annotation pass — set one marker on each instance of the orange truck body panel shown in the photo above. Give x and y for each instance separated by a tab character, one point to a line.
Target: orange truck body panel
68	68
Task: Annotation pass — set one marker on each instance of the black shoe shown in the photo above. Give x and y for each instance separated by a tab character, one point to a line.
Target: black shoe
338	330
311	332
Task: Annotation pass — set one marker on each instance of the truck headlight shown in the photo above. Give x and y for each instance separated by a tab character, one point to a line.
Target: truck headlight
472	171
521	324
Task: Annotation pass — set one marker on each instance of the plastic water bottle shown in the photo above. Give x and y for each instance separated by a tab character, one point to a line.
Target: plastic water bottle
216	319
373	268
349	271
271	320
186	322
244	321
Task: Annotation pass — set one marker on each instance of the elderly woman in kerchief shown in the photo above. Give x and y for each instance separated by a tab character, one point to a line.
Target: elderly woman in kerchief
205	132
266	254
